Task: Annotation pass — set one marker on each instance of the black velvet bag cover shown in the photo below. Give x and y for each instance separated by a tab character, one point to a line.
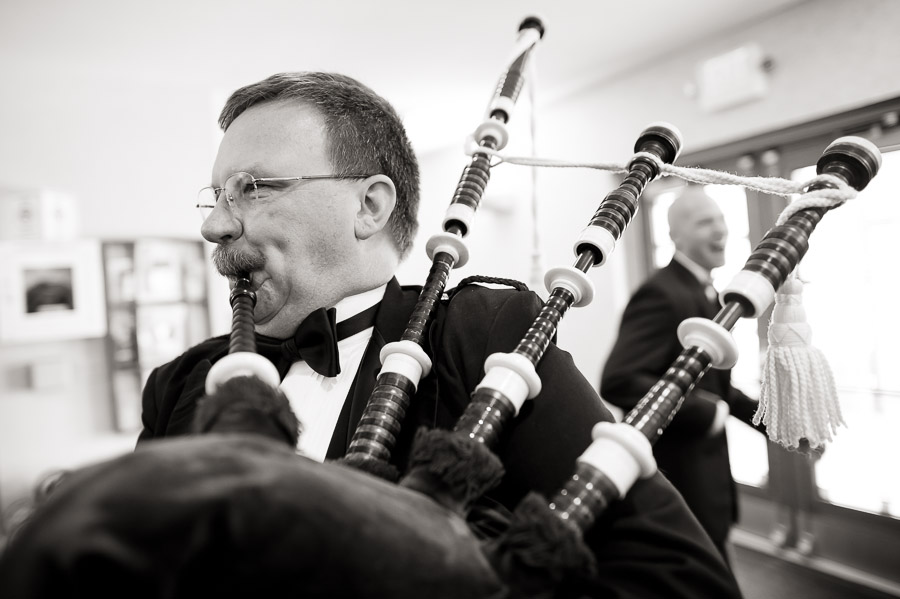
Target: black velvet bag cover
243	516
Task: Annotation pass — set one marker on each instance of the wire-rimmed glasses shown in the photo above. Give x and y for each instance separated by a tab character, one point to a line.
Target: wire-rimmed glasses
242	188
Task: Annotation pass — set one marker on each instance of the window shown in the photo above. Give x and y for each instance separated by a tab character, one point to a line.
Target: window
850	298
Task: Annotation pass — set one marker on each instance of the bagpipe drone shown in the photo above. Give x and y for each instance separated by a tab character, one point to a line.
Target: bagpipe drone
263	521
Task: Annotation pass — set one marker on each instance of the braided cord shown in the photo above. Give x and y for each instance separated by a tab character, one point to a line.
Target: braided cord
837	192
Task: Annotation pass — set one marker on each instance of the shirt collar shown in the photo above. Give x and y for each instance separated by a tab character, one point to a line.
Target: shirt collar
354	304
703	275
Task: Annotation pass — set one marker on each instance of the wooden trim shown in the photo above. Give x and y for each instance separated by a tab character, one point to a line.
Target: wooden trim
852	122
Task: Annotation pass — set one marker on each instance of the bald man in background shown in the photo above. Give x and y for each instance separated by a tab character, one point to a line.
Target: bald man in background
693	453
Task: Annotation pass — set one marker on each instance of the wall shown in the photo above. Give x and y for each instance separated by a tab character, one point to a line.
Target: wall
55	413
133	152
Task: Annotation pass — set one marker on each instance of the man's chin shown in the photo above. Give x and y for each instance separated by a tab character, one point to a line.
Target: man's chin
268	330
270	326
717	259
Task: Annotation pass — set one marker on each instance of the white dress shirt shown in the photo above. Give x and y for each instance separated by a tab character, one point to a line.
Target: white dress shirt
317	400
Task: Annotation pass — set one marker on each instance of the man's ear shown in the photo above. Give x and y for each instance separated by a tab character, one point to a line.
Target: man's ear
377	200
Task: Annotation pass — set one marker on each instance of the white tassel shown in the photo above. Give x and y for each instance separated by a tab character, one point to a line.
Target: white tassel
798	398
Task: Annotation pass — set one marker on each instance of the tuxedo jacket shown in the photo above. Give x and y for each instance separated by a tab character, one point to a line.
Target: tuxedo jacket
646	346
647	544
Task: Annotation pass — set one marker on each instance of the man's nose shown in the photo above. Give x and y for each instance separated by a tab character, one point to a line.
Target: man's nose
222	226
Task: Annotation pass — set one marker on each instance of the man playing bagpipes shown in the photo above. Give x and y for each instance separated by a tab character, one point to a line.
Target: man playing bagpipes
336	242
313	201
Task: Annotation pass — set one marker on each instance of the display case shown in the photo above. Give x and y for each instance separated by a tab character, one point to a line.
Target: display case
156	296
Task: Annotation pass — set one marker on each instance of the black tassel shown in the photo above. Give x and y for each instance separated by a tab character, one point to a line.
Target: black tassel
540	552
378	468
451	468
248	405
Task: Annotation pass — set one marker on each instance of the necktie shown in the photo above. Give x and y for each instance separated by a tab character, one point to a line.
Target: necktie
711	294
315	341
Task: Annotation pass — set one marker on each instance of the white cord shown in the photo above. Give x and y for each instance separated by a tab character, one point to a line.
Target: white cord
829	197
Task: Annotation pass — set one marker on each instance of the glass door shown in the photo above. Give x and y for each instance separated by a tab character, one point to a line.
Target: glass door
851	291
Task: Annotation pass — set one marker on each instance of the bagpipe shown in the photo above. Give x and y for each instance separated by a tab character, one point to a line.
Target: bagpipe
235	511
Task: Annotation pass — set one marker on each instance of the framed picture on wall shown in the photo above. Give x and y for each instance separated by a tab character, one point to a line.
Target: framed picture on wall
51	290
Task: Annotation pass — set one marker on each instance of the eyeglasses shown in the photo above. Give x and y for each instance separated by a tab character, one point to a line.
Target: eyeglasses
241	189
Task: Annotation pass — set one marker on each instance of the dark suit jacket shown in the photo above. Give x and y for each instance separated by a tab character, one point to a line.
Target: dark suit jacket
647	345
647	544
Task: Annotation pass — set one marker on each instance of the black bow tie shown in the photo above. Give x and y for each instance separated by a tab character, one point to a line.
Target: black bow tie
316	341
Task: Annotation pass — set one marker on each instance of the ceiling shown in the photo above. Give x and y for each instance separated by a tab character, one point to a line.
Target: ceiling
427	58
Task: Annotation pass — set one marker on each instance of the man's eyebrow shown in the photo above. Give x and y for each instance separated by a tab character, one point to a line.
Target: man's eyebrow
257	169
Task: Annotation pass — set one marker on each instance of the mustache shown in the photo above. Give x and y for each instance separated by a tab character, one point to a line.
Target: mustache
231	262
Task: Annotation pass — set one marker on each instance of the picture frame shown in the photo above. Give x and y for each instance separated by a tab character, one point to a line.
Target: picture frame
51	291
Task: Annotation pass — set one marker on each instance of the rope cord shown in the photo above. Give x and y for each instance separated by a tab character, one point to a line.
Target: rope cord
829	197
517	285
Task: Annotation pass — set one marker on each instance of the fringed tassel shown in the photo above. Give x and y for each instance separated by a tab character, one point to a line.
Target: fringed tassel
541	554
451	468
798	398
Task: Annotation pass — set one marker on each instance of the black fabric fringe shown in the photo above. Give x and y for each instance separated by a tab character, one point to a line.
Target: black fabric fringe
451	468
246	404
377	468
540	553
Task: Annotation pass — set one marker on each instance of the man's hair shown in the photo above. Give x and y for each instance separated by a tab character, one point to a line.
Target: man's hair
364	134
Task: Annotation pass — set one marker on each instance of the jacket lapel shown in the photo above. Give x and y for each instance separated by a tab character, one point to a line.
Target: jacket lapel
390	322
714	380
181	422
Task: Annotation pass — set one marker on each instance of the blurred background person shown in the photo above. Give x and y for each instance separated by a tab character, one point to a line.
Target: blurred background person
693	453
